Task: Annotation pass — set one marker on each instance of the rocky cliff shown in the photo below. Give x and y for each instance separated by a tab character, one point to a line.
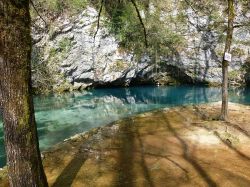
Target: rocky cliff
66	56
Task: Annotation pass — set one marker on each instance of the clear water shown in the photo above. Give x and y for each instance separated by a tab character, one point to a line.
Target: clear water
61	116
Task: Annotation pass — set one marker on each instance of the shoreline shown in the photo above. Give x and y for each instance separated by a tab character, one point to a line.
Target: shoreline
102	144
91	132
115	124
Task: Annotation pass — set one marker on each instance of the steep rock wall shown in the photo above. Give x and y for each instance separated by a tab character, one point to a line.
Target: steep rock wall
75	60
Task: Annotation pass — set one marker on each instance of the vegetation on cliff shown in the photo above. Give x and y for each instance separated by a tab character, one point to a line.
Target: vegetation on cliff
175	32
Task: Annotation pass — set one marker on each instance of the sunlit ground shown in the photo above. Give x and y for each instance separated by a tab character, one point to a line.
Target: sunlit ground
183	146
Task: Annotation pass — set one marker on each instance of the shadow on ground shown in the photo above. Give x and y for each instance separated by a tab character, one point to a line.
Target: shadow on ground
176	147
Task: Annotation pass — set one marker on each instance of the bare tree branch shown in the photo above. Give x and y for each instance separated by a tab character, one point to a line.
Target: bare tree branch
32	4
191	6
98	21
243	24
140	18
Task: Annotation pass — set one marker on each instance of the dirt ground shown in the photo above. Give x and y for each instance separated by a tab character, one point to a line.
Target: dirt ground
182	146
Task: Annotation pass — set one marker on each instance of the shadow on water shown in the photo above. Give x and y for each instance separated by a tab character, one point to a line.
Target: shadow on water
188	157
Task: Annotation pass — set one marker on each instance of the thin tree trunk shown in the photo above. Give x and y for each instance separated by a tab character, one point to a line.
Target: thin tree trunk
20	134
224	107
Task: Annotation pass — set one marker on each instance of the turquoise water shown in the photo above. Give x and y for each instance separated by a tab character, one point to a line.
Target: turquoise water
61	116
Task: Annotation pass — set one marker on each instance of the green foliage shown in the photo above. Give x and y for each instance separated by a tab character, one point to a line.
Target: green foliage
118	66
77	5
46	74
125	24
242	42
237	52
233	74
220	52
56	7
65	45
246	65
42	76
52	52
120	22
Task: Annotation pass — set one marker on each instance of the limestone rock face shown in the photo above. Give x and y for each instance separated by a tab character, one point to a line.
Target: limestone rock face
77	60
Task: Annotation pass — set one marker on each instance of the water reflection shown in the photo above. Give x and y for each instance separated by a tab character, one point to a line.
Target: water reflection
240	95
61	116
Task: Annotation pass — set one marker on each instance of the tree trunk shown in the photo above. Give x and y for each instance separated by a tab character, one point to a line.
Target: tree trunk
21	141
224	107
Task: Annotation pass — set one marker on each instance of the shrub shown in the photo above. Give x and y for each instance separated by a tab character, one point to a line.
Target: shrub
237	52
65	45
